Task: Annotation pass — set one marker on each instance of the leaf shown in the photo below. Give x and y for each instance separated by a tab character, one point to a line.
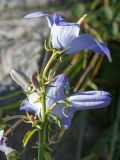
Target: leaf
57	120
27	137
47	156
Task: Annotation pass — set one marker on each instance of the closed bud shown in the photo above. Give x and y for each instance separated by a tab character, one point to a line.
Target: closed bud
35	83
90	100
20	78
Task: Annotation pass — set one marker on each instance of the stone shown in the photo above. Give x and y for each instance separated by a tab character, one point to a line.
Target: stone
20	46
4	4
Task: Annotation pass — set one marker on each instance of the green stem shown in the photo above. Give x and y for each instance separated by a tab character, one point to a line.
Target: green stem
42	133
53	57
39	148
43	109
42	139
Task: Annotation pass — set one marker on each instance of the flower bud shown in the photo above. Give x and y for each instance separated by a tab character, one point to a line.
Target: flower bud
20	78
35	83
89	100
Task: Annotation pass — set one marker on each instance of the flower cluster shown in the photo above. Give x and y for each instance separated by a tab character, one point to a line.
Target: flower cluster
48	96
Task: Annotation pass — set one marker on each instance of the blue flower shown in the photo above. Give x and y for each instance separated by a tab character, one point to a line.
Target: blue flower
59	90
3	147
66	35
59	86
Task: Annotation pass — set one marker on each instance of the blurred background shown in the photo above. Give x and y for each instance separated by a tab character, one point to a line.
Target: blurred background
94	134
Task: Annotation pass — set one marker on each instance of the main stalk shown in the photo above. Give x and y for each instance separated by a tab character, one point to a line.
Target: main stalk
42	132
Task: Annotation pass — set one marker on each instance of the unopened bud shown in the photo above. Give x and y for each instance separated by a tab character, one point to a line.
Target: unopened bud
82	19
20	78
35	83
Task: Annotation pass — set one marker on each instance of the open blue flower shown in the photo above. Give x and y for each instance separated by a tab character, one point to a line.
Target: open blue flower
59	90
66	35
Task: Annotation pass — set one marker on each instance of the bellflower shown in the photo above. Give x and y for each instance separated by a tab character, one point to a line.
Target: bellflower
3	147
59	90
65	35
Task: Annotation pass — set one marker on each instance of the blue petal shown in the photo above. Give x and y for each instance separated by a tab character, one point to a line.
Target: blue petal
36	14
41	14
57	91
85	41
89	100
89	105
91	96
52	18
66	122
62	36
25	105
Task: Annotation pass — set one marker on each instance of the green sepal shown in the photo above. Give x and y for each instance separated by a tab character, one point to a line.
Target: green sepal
47	45
66	107
61	52
27	137
14	155
57	120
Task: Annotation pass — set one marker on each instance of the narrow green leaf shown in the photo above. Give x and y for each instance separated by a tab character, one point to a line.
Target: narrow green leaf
28	135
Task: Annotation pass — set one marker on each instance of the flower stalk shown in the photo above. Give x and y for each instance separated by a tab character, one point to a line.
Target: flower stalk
53	57
42	135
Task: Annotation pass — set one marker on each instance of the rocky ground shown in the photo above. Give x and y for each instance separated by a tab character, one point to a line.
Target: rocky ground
20	39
